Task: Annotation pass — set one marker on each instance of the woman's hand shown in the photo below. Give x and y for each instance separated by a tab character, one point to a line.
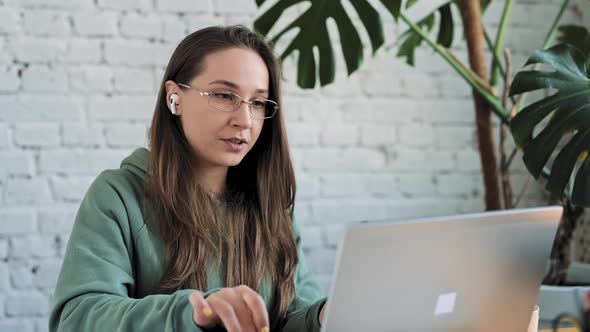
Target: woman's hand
322	313
236	309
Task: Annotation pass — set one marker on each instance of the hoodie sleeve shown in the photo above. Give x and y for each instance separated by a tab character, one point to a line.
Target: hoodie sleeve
303	313
96	283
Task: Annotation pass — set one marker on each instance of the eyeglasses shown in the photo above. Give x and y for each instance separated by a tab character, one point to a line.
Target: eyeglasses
228	101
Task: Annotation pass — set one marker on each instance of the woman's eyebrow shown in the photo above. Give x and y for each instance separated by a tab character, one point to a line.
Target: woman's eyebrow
234	85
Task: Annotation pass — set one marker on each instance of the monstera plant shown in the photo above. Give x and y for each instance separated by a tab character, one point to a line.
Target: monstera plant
567	108
313	33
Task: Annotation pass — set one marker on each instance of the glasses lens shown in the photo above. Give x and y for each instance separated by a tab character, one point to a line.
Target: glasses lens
263	108
224	100
228	102
270	109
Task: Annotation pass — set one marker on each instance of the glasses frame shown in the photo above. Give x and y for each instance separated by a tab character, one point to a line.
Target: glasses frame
237	106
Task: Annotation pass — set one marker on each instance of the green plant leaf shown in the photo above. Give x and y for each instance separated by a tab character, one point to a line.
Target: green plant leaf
313	32
569	112
410	40
578	36
410	3
446	29
394	7
575	35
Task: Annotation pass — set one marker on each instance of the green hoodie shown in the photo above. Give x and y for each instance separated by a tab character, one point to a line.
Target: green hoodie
113	261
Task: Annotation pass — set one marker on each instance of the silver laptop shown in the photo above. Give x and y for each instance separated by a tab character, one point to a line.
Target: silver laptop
476	273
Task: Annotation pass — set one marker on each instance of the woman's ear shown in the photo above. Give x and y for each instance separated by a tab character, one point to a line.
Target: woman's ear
173	97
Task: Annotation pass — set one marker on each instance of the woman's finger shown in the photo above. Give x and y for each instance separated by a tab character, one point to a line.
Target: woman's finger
225	311
322	312
256	305
202	312
232	296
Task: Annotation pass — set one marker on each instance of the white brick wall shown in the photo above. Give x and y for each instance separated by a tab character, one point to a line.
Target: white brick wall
4	250
46	273
76	135
375	135
79	162
32	246
133	80
16	163
121	108
78	83
46	23
37	135
303	134
184	6
89	79
4	277
71	188
95	23
21	277
127	135
142	27
417	135
342	135
83	51
9	78
26	192
56	221
26	304
4	136
123	5
9	18
41	78
37	49
16	221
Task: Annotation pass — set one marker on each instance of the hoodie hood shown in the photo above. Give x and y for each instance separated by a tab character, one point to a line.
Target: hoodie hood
137	162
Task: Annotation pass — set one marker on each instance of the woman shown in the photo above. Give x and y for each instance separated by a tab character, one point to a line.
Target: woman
196	233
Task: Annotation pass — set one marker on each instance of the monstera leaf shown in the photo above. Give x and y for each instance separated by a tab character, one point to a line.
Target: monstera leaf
410	40
569	112
313	32
578	36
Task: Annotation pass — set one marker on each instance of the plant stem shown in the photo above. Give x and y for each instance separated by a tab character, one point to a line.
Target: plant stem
443	52
497	61
499	44
551	32
504	130
474	36
494	55
522	191
510	158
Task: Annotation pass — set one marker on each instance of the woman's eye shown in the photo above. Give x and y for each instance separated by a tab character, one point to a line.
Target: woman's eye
223	96
259	103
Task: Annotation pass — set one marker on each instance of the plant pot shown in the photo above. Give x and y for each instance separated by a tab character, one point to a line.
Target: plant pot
557	300
568	276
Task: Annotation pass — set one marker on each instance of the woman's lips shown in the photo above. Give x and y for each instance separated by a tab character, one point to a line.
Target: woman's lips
234	145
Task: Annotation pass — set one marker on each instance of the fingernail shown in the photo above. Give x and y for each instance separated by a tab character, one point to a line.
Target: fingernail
207	311
265	329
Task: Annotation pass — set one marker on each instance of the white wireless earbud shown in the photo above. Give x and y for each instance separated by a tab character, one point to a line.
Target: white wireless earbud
173	99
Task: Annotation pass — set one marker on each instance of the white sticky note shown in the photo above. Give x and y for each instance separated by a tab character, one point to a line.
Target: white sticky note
445	304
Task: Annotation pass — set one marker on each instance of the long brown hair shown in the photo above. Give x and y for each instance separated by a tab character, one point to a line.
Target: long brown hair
253	239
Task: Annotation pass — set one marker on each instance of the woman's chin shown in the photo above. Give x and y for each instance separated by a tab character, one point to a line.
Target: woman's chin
231	161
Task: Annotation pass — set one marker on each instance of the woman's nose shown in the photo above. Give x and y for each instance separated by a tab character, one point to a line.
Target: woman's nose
242	117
